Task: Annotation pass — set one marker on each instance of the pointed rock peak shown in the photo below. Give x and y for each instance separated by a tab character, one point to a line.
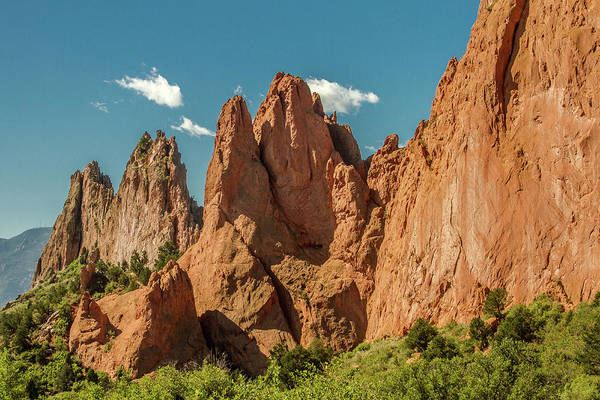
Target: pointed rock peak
93	173
234	118
235	146
390	144
144	143
162	151
317	104
331	119
290	88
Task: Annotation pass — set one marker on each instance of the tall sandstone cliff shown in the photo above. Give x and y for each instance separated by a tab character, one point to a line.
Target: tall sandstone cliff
302	239
152	206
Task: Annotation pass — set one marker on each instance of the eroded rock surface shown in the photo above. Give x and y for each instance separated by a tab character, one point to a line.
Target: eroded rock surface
151	326
499	188
303	239
152	206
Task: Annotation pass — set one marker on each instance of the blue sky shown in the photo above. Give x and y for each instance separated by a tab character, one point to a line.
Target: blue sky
61	104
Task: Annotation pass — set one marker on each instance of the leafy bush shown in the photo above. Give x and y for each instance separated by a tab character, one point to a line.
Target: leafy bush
590	354
137	264
166	252
294	362
519	324
440	347
419	336
495	302
480	332
596	301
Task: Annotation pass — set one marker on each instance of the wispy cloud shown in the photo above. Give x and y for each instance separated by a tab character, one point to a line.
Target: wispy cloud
336	97
100	106
239	90
193	129
154	87
372	149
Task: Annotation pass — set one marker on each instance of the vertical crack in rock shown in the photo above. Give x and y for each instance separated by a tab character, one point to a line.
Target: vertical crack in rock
506	50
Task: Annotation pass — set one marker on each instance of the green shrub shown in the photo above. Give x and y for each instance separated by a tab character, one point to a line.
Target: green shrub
440	347
137	262
596	301
166	252
495	302
144	276
519	324
419	336
144	144
292	363
589	357
480	332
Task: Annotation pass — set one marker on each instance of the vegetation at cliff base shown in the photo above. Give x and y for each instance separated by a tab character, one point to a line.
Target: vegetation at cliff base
539	351
166	252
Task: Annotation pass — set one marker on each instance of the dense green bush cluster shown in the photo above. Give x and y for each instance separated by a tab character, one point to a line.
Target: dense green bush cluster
288	365
536	352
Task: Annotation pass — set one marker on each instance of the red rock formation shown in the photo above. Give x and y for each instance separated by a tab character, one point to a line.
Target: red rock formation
88	200
303	240
283	218
140	330
509	196
152	206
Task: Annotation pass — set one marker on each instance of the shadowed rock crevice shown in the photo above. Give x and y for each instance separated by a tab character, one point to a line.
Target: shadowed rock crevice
506	49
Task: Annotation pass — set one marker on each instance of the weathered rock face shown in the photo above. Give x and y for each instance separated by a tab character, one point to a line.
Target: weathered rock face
283	215
499	188
88	201
152	206
140	330
302	239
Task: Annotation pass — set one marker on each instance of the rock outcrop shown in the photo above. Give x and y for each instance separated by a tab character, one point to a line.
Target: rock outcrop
283	214
152	206
499	188
302	239
151	326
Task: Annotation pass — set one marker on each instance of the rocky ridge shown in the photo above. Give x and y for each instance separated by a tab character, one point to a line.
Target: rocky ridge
302	239
152	206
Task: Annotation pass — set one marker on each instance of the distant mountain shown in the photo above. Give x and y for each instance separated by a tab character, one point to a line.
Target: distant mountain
18	257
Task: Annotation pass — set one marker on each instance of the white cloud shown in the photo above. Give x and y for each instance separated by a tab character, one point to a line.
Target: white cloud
372	149
155	88
100	106
336	97
193	129
239	90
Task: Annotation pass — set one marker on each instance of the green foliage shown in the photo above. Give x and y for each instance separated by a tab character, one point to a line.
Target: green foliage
520	324
144	144
137	264
495	302
166	252
590	354
293	363
596	301
480	332
440	347
419	336
539	352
